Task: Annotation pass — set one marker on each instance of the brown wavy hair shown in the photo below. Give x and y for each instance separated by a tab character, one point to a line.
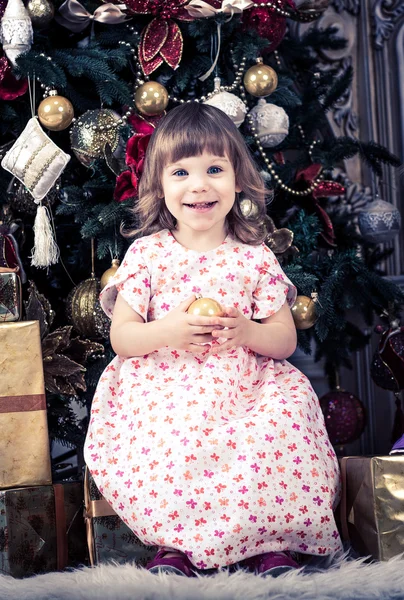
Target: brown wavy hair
189	130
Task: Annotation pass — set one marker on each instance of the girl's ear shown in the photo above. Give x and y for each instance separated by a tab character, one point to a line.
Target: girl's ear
238	188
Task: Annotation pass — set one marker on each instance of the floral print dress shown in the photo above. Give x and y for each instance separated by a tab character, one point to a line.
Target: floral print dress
221	455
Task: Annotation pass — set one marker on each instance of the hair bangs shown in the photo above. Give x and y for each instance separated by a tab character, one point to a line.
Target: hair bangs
196	139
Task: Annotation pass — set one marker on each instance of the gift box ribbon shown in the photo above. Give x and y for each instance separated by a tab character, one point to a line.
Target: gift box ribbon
61	527
9	404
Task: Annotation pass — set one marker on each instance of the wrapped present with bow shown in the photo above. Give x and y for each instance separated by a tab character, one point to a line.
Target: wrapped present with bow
371	508
108	537
42	529
24	442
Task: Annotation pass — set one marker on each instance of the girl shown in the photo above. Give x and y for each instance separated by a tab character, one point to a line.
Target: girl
202	437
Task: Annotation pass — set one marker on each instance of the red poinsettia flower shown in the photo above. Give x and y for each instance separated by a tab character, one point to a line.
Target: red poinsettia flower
136	150
162	38
323	190
125	187
127	182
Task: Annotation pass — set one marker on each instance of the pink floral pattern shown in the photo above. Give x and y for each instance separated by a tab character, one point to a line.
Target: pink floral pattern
222	455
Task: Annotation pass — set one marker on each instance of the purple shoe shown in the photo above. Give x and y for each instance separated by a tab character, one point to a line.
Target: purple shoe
271	564
180	565
398	447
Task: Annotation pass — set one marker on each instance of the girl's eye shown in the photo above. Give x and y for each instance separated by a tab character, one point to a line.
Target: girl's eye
180	173
214	170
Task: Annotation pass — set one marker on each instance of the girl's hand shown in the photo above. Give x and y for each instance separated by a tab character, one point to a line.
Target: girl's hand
188	332
237	332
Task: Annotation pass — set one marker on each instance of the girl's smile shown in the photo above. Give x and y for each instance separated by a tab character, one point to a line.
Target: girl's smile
199	191
201	206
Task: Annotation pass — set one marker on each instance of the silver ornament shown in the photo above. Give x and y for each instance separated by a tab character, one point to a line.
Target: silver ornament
230	104
379	222
271	123
16	30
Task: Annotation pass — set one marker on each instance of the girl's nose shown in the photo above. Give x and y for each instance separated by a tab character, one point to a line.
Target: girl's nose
198	184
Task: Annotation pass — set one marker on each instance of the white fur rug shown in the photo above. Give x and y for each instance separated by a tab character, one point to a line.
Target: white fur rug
345	580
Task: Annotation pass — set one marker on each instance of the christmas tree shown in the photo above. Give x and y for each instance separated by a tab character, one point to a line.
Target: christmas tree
97	79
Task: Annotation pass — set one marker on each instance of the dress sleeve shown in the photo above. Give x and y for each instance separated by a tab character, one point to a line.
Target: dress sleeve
132	281
273	287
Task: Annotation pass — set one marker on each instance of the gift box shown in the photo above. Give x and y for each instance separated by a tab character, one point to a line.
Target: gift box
41	529
372	508
109	538
24	442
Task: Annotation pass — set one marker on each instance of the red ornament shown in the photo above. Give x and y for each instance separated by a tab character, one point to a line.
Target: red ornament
162	38
323	190
344	416
268	23
8	253
387	368
10	87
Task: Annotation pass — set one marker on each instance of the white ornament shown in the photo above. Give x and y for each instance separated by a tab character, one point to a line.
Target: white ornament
230	104
271	122
379	222
16	30
35	160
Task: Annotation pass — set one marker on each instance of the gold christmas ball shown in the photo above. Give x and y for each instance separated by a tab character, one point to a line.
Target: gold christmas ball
109	273
248	208
151	98
55	112
92	132
84	310
206	307
304	312
260	80
41	12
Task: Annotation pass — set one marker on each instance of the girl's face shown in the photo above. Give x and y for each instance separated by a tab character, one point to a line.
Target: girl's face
199	191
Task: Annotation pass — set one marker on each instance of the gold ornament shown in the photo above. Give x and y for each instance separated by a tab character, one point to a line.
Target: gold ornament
304	312
260	80
109	273
92	132
84	311
55	112
278	240
206	307
41	12
151	98
248	208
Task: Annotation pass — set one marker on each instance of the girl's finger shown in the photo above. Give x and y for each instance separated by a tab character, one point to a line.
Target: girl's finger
227	322
224	333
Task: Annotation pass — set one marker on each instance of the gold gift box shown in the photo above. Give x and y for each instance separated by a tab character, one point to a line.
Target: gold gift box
24	442
372	505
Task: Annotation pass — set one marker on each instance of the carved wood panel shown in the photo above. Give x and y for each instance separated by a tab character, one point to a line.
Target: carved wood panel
373	109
